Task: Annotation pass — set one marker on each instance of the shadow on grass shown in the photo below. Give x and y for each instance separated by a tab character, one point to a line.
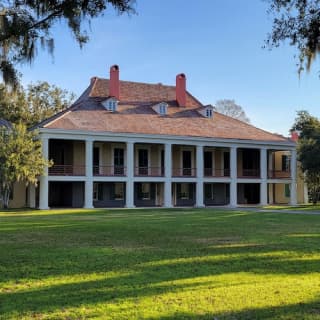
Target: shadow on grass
156	248
309	310
144	281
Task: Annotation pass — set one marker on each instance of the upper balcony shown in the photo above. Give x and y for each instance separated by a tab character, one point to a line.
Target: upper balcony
109	159
68	158
279	164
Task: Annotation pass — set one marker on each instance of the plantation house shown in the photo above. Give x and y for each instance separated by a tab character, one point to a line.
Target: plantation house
129	144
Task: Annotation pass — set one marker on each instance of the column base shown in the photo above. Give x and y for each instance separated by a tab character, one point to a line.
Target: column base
43	208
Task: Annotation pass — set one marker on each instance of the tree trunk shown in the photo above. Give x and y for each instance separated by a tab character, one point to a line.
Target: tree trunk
6	197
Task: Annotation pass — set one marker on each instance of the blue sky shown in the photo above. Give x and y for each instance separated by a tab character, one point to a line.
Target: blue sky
216	43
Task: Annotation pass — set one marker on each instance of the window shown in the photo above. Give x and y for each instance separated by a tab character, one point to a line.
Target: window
145	191
285	162
209	113
163	109
184	194
287	190
97	191
118	191
111	104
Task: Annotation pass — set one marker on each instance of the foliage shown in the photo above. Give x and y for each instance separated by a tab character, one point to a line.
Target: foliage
298	22
27	25
34	104
159	264
309	151
20	159
231	109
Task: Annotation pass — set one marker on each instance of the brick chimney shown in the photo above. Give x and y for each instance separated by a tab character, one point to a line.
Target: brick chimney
114	84
294	136
181	95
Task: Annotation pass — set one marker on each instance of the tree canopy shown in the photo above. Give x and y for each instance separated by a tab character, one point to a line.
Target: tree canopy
33	104
26	26
298	23
309	151
20	159
230	108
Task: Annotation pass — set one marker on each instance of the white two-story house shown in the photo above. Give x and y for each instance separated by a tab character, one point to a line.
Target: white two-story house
129	144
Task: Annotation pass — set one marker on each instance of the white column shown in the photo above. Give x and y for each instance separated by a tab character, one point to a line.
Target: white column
88	194
233	176
44	184
263	176
130	174
168	174
32	195
293	167
199	188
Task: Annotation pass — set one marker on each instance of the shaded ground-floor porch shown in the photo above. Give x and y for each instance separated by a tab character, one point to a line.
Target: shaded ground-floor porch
113	194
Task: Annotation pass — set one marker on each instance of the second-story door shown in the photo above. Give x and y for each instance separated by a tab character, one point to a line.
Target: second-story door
186	163
208	163
96	160
118	161
143	162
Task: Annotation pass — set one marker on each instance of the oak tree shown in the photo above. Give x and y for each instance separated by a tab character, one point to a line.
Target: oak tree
296	22
309	151
26	26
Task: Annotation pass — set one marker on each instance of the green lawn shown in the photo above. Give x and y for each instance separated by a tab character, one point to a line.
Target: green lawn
159	264
306	207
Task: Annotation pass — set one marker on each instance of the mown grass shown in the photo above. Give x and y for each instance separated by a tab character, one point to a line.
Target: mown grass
305	207
159	264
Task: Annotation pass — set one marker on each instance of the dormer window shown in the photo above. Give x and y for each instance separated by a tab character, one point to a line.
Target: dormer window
111	104
206	111
163	108
209	113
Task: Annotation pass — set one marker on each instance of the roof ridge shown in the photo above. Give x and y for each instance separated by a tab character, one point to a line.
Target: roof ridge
145	83
92	85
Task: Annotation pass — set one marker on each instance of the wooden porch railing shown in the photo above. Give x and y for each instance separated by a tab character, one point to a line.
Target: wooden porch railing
249	173
110	171
184	172
279	174
149	172
67	170
210	172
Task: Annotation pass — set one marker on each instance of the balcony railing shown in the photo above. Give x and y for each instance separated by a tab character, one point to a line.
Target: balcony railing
67	170
279	174
109	171
184	172
249	173
210	172
149	172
